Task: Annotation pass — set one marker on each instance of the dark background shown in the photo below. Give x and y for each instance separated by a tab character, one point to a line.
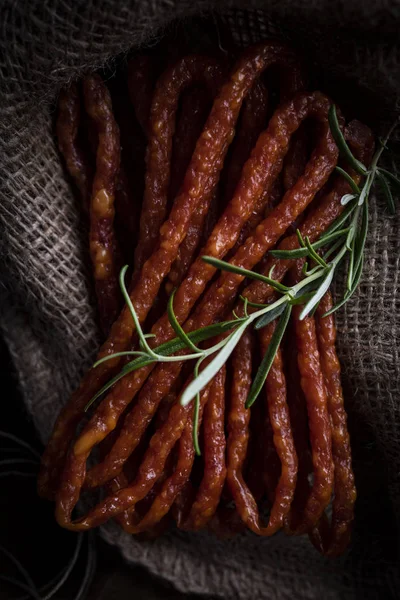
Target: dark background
29	531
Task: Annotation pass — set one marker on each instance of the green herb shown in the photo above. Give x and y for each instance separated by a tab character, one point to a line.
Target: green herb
344	239
393	180
304	251
166	352
356	190
269	356
177	328
261	318
268	317
220	264
385	187
342	144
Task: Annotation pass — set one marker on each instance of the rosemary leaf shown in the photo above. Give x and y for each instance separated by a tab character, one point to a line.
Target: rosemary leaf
360	239
304	284
302	299
205	333
270	316
253	304
307	272
214	366
332	249
225	266
351	265
196	413
323	288
348	294
326	238
300	238
302	252
341	220
306	289
269	356
341	142
349	180
285	254
314	255
385	187
347	198
313	310
177	327
142	340
245	305
366	189
353	229
395	181
304	269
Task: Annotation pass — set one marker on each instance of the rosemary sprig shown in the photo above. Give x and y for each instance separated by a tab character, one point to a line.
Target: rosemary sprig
342	144
222	349
345	238
263	316
350	230
269	356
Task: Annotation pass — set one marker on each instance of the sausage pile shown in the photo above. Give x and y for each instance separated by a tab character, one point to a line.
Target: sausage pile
235	159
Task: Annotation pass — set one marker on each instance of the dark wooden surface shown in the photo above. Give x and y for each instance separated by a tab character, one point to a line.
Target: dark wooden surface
28	529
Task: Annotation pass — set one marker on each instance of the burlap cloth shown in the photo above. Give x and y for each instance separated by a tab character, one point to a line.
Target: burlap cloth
46	309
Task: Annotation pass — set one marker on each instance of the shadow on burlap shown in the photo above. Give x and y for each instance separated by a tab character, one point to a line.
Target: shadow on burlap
47	314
